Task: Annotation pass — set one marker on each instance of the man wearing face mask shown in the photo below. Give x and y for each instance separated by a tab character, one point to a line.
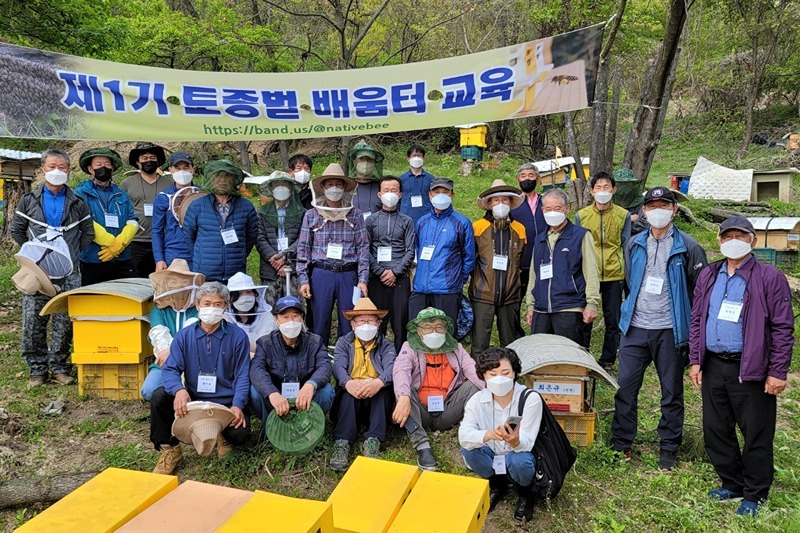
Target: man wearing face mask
392	239
445	254
142	189
208	361
740	349
610	225
661	267
366	167
416	183
362	365
169	242
500	243
45	213
291	363
300	169
433	376
115	222
563	291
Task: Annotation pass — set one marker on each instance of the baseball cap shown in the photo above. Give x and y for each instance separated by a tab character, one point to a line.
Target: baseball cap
660	193
177	157
447	183
737	222
287	302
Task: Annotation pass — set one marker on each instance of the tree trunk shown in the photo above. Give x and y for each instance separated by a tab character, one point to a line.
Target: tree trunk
42	489
244	155
611	136
580	177
283	148
597	147
537	136
13	190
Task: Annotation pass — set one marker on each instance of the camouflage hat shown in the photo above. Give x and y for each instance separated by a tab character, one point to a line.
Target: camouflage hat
86	158
450	343
297	432
278	177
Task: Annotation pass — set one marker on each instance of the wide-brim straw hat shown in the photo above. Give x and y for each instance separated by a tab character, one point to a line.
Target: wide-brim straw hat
177	272
31	278
499	188
202	424
334	170
364	306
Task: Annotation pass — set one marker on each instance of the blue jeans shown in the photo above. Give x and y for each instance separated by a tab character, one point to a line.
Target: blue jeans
262	406
519	465
152	381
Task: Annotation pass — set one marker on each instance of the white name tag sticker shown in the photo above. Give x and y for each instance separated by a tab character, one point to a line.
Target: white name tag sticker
283	243
384	254
546	271
416	201
112	221
334	251
653	285
730	311
207	383
148	210
499	464
427	253
366	215
435	404
290	390
500	262
229	236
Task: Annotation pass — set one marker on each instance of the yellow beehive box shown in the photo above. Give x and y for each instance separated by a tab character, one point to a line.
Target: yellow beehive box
272	512
95	358
112	381
370	495
474	135
467	504
560	393
108	336
104	503
106	305
193	507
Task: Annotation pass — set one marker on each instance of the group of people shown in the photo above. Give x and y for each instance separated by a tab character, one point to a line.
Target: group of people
391	251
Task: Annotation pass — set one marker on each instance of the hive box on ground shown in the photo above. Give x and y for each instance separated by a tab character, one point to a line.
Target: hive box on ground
112	381
562	386
465	512
104	503
370	495
272	512
193	507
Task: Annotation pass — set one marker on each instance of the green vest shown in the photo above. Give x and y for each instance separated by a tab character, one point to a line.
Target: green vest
606	227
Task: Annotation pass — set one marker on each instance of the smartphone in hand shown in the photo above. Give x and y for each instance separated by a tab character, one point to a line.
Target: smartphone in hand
513	421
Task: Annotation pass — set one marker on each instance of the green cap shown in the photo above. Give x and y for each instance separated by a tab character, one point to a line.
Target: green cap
86	158
297	432
213	168
414	340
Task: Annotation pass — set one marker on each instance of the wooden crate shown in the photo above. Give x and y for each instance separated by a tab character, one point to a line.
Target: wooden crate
113	381
560	393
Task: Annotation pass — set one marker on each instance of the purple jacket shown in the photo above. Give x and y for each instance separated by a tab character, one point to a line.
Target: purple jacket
767	320
408	367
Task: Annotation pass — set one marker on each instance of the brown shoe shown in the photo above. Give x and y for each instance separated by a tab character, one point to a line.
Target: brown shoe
64	379
171	457
223	446
37	381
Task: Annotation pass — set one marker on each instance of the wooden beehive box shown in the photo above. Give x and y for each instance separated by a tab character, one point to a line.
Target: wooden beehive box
778	233
563	387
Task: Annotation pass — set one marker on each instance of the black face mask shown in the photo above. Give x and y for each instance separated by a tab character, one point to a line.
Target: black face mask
527	185
149	167
102	174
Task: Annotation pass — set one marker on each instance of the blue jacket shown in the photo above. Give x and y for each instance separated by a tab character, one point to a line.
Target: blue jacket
119	204
534	225
274	363
686	260
416	186
169	242
567	288
203	230
454	254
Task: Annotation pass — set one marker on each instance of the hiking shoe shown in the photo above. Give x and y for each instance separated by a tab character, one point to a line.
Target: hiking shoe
608	367
171	456
223	447
426	460
498	488
747	508
371	448
668	461
722	494
37	381
340	458
524	511
64	379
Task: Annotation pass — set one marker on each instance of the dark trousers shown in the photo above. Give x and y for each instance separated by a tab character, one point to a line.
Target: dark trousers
637	349
142	258
727	404
162	415
449	303
524	277
568	324
395	300
92	273
611	293
349	412
507	317
450	417
329	288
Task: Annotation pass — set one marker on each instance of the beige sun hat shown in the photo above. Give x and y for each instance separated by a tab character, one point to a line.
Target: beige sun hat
31	278
499	188
175	285
334	170
202	424
364	306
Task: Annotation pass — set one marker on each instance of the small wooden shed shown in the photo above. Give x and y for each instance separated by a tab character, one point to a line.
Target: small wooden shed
778	233
768	184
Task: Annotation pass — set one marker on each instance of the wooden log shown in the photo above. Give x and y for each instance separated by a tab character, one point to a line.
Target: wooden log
687	213
720	215
40	489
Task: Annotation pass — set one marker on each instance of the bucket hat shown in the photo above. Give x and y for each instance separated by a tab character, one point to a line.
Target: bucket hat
144	147
86	158
364	306
450	343
202	424
499	188
31	278
297	432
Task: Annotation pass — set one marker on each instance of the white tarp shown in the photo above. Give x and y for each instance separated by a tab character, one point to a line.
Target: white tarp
710	180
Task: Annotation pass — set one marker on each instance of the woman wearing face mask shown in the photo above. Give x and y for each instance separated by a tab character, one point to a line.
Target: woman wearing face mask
433	379
169	242
366	167
248	309
500	245
362	365
493	446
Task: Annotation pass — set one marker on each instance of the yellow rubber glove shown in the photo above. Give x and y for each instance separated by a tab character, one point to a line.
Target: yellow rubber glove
107	253
101	236
127	234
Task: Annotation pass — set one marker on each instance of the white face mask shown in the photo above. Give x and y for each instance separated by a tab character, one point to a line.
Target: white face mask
291	329
301	176
55	177
182	177
334	194
389	199
603	197
244	303
210	315
500	211
281	193
500	385
365	168
441	201
416	162
367	332
554	218
434	340
659	218
735	249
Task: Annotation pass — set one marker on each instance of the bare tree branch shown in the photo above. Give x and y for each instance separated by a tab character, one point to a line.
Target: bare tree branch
418	39
366	28
613	33
297	14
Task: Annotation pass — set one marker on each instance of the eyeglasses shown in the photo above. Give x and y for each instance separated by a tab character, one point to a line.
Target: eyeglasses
366	321
430	328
